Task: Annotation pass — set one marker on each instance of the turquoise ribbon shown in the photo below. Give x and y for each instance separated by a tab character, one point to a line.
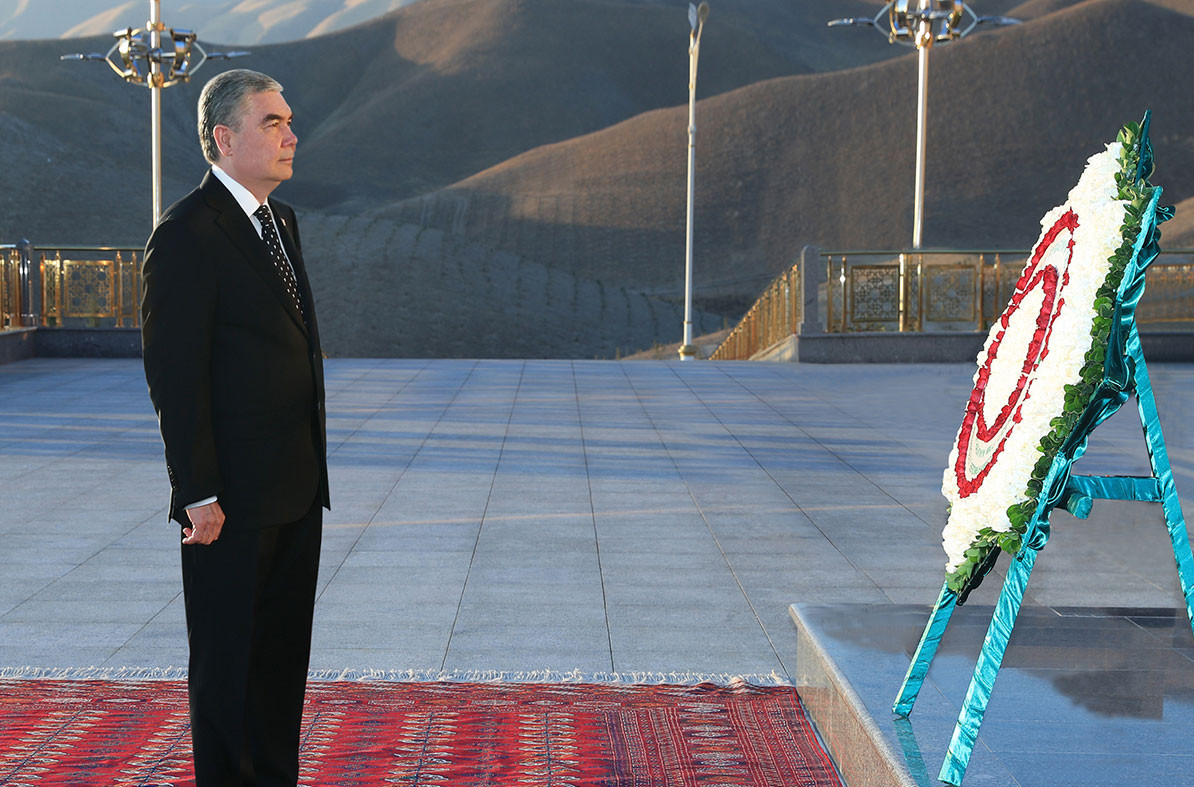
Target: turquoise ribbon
1124	371
957	756
918	668
1158	458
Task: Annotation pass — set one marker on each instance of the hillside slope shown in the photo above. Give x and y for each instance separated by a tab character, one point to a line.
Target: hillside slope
1178	232
798	27
410	102
454	86
828	158
386	289
476	176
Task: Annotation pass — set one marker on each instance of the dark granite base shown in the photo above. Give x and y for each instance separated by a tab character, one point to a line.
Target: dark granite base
22	343
893	347
1086	696
89	342
18	344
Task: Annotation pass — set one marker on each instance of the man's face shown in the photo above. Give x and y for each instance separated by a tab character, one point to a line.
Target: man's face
261	154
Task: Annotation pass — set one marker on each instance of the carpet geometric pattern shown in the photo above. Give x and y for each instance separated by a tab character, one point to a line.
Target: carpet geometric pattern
90	732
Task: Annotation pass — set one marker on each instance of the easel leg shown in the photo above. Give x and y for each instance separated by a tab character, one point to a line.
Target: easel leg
1158	457
1181	547
922	659
957	757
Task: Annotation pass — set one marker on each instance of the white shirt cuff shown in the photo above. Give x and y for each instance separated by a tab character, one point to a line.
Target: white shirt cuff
205	501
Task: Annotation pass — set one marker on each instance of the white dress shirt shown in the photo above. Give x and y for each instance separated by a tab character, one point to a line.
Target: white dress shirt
249	204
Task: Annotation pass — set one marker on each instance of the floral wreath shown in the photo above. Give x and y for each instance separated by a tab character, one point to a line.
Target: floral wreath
1043	361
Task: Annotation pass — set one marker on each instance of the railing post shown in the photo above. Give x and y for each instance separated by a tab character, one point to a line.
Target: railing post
29	284
978	307
845	306
920	292
982	292
999	305
902	302
117	291
813	273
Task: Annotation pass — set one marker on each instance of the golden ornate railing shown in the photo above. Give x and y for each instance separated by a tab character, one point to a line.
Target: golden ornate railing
922	291
10	287
955	290
69	286
772	318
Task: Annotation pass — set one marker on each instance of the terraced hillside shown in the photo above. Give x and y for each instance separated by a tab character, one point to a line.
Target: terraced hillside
525	158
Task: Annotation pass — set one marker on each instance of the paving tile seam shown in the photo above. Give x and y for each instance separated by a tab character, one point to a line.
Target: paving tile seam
1157	635
67	574
394	486
481	524
739	442
371	409
144	627
900	437
580	421
66	457
640	511
374	409
768	473
742	589
829	450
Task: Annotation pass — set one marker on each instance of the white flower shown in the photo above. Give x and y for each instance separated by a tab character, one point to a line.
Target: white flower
1081	270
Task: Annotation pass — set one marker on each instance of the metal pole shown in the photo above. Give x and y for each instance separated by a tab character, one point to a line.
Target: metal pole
917	28
687	349
28	285
924	42
141	63
155	27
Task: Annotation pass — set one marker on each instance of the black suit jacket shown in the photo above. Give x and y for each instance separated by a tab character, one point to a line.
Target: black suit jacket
235	372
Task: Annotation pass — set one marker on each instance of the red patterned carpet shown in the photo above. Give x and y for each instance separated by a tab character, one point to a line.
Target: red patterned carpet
91	733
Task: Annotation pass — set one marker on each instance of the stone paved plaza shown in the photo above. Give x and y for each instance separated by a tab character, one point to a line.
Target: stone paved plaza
522	516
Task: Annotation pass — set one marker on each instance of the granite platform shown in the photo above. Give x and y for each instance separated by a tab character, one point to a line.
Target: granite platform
591	520
1086	696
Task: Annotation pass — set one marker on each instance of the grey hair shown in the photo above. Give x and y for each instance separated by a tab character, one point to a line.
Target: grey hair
222	103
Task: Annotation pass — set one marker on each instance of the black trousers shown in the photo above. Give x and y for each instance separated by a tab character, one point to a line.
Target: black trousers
249	602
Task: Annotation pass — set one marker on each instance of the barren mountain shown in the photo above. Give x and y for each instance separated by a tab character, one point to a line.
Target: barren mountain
276	21
454	86
408	103
517	166
828	158
786	26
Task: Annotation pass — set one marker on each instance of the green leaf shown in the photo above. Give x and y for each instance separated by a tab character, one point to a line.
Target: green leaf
1010	544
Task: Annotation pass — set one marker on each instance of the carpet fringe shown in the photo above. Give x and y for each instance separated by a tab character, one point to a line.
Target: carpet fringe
93	673
417	676
552	676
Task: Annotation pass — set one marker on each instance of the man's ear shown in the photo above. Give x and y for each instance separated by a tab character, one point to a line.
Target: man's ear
223	135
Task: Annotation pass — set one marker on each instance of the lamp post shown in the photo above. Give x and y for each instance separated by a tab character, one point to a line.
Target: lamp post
932	21
696	19
144	62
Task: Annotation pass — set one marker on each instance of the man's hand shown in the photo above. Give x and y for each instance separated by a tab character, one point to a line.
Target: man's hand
206	521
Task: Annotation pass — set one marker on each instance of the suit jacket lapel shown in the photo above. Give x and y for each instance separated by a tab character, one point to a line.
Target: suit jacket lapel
236	225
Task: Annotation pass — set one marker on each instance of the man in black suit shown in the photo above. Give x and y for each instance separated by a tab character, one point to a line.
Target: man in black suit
235	372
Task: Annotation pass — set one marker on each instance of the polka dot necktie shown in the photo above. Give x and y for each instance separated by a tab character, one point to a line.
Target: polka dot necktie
269	234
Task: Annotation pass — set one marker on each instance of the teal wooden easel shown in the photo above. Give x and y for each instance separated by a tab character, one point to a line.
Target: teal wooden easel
1126	373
